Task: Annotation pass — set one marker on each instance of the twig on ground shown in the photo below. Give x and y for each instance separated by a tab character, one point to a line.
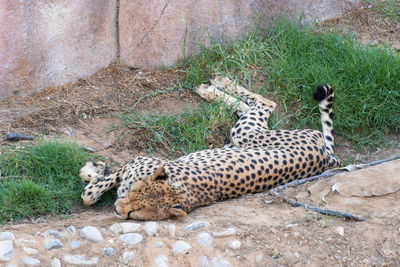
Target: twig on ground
274	192
295	203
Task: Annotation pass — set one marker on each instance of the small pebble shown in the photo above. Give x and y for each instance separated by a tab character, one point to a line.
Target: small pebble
50	243
161	261
291	225
6	250
129	227
30	251
228	232
219	262
158	244
205	239
56	263
128	256
151	228
235	244
131	239
203	261
340	230
75	244
197	225
80	260
180	247
259	258
109	251
171	230
54	233
71	229
28	261
116	228
91	233
6	236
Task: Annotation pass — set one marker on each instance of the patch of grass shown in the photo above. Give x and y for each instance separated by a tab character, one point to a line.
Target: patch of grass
40	179
205	126
366	81
294	58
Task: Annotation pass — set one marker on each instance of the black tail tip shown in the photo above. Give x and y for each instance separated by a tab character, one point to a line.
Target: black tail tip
322	92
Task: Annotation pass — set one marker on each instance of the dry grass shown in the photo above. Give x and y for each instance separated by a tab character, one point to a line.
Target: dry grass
113	89
368	26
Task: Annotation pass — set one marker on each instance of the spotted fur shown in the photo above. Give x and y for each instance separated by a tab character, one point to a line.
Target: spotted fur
257	159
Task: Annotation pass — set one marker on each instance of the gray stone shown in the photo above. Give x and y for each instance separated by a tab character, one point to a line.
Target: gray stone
129	227
56	263
161	261
6	250
91	233
80	260
228	232
54	233
131	239
259	258
197	225
151	228
171	230
235	244
205	239
75	244
128	256
28	261
220	262
71	229
6	236
116	228
158	244
180	247
50	243
109	251
203	261
30	251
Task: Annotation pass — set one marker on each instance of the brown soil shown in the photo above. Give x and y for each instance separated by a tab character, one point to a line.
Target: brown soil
284	235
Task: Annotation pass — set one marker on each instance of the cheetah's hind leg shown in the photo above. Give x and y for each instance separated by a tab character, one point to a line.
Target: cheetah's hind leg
235	89
212	94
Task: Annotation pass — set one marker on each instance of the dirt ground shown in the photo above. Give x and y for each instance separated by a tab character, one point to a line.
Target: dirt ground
284	235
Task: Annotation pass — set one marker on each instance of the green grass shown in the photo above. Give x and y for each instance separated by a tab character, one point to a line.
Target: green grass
197	129
293	59
40	179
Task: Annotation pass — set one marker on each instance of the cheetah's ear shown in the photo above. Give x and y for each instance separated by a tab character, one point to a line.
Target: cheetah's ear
177	212
159	175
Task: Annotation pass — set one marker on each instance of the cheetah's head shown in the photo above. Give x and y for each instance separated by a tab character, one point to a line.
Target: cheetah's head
151	199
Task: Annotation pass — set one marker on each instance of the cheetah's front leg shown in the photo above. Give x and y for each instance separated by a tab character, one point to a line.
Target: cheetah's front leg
99	181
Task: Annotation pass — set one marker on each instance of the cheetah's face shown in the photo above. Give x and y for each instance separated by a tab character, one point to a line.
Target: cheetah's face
151	199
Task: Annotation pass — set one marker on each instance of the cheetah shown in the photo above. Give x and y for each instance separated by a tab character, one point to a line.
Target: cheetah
256	159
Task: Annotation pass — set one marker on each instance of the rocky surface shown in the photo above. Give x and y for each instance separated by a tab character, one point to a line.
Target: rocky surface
89	248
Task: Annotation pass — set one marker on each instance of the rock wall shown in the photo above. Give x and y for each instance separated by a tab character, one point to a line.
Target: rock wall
156	33
46	43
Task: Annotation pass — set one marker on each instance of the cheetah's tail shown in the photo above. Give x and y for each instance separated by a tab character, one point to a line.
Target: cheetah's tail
324	94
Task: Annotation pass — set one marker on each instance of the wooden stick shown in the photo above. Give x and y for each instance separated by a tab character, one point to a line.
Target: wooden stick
295	203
